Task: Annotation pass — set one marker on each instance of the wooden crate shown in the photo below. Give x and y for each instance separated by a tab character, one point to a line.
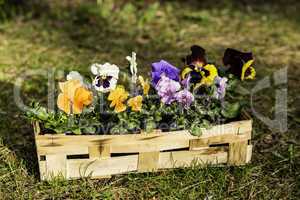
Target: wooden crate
100	156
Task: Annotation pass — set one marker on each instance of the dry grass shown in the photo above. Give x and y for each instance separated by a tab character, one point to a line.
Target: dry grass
62	36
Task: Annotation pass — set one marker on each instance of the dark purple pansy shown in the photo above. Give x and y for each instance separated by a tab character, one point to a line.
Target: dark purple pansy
197	57
103	81
235	60
163	67
194	61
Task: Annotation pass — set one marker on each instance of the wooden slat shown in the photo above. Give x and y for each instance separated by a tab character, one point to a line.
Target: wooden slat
66	149
99	151
99	148
148	161
56	165
36	128
124	164
54	144
177	159
197	144
160	143
237	154
43	170
56	140
249	153
102	167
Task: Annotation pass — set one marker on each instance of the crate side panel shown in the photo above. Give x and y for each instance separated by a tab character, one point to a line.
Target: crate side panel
226	129
186	158
249	153
148	161
101	167
125	164
164	142
238	153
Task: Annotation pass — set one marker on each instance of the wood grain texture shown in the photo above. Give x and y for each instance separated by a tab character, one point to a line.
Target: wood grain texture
134	143
126	164
238	153
56	165
148	161
108	154
99	151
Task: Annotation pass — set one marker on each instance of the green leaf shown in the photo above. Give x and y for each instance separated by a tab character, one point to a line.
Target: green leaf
195	130
90	130
150	125
77	131
231	110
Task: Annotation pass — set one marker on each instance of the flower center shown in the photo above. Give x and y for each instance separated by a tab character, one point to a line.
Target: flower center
248	72
103	81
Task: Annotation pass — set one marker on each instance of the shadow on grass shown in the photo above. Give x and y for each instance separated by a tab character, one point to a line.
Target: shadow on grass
15	131
282	8
87	30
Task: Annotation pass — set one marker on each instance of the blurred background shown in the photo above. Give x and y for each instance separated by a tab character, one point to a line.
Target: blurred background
73	34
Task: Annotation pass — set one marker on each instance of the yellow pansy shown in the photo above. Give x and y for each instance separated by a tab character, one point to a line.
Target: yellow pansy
185	72
209	73
117	98
248	72
145	85
136	103
73	97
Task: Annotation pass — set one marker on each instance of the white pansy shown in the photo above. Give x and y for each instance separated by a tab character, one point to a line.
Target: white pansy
106	69
133	66
106	76
74	75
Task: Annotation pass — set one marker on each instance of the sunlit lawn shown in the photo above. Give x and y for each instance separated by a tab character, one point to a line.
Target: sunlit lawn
64	36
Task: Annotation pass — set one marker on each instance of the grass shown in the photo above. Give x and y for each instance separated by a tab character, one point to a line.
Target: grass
64	36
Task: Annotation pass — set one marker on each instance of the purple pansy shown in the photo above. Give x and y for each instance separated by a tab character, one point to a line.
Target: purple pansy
186	82
221	84
166	89
163	67
184	97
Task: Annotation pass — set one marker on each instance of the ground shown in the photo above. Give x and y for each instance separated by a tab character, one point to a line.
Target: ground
62	36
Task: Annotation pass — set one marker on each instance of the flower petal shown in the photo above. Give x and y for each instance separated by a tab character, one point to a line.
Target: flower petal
109	70
74	75
163	67
84	96
197	57
69	88
120	107
236	60
117	97
63	103
135	103
95	68
245	67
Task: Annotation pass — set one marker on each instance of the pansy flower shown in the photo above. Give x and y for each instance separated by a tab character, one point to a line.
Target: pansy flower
106	76
240	63
74	75
208	72
145	85
221	84
166	69
117	97
73	97
203	76
166	89
135	103
184	97
194	62
197	57
198	72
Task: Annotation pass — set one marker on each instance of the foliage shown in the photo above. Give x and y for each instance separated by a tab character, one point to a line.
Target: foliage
100	118
75	38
